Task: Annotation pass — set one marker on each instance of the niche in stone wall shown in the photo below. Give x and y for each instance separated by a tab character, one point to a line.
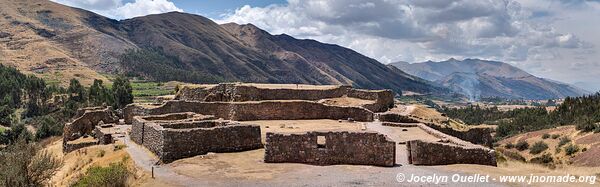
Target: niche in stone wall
321	141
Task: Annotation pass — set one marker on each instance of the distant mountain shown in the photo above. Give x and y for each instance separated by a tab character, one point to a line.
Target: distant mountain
480	78
184	47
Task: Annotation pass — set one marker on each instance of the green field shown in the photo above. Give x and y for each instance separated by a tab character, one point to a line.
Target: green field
144	91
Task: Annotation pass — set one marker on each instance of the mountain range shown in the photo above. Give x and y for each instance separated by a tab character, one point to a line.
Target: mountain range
477	79
58	43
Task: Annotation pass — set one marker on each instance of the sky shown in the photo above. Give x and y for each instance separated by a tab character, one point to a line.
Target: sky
555	39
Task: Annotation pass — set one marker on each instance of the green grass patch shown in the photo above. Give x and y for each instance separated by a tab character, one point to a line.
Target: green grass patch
141	89
114	175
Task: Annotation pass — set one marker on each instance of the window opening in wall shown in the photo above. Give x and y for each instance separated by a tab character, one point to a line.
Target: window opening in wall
321	141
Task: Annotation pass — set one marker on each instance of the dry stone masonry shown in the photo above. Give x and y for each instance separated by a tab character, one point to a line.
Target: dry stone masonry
254	110
85	125
203	119
360	148
182	138
239	92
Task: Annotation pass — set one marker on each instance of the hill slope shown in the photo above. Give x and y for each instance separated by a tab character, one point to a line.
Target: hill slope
183	47
479	78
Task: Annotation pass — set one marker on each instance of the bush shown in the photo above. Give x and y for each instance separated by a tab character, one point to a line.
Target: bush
101	153
555	136
509	146
571	149
544	159
514	155
563	141
538	147
114	175
119	147
545	136
499	157
24	164
522	145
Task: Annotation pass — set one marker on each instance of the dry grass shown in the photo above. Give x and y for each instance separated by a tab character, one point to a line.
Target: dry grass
76	163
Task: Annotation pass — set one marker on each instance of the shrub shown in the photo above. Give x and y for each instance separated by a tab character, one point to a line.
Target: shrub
115	175
522	145
571	149
544	159
499	157
555	136
101	153
24	164
509	146
514	155
538	147
563	141
119	147
545	136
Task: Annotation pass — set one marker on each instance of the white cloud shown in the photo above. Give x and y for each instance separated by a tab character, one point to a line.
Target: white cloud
118	10
521	32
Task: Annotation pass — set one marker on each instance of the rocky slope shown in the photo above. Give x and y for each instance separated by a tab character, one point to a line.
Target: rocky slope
58	40
479	79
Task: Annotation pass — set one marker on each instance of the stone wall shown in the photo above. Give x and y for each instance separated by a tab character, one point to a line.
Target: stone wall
181	139
481	136
254	110
86	122
435	153
69	147
237	92
103	134
395	117
360	148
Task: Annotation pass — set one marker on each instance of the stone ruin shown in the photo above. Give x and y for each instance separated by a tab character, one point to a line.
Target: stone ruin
244	102
203	119
79	132
449	150
380	100
181	135
329	148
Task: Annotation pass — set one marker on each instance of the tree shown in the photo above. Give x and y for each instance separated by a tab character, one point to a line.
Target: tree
123	93
48	126
76	91
24	164
98	94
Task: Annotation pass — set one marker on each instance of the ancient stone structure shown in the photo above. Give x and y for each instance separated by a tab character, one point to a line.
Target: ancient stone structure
86	120
253	110
395	117
239	92
481	136
450	150
104	133
80	143
436	153
176	136
360	148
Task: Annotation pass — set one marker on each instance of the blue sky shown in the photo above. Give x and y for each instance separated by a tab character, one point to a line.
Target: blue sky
554	39
214	9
